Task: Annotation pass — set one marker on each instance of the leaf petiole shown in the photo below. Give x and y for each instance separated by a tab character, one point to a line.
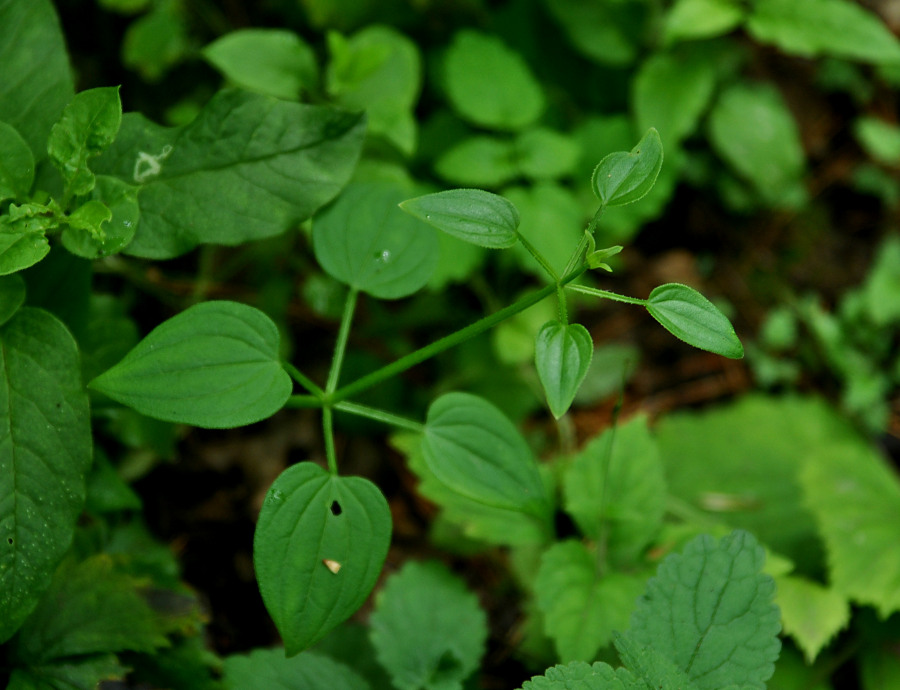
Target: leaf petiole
304	381
380	416
606	294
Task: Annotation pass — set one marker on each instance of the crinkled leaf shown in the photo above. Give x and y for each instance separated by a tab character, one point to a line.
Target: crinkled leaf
473	215
690	317
12	296
319	546
709	610
480	160
581	607
117	232
578	675
215	365
692	19
562	355
810	613
270	669
626	176
856	500
22	239
248	167
274	62
45	452
489	84
428	629
475	450
364	240
658	672
16	164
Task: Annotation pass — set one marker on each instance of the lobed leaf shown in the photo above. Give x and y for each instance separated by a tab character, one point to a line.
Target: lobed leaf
269	669
624	177
472	215
690	317
562	355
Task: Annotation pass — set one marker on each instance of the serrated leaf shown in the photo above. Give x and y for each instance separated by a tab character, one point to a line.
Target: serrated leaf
268	668
658	672
709	610
16	164
472	215
856	499
489	84
215	365
272	165
810	613
626	176
367	242
473	448
45	452
319	546
692	19
12	296
578	675
562	355
428	629
690	317
581	607
117	232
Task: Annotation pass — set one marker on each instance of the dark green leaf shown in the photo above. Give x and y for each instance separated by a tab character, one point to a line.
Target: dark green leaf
562	355
215	365
22	239
624	177
811	613
16	164
606	32
85	673
690	317
544	154
269	669
318	550
472	215
658	672
578	675
12	296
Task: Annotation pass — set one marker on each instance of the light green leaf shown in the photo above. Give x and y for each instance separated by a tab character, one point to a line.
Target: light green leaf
856	499
88	127
117	232
473	448
810	613
367	242
12	296
624	177
513	340
247	168
89	218
879	138
273	62
577	675
753	130
581	607
544	154
45	452
690	317
881	291
472	215
709	610
485	161
428	629
489	84
824	27
35	82
269	669
562	355
652	667
22	239
16	164
608	33
615	489
319	546
695	19
215	365
68	674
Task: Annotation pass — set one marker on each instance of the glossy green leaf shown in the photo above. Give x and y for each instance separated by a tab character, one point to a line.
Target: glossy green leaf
214	365
12	296
624	177
88	127
428	629
709	611
810	613
562	355
45	453
615	489
36	81
272	165
16	164
480	160
824	27
578	675
319	546
693	19
582	607
113	235
855	497
364	240
472	215
274	62
270	669
690	317
473	449
489	84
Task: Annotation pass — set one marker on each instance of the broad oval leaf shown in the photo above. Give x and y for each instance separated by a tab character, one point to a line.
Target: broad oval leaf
16	164
473	215
562	355
215	365
318	550
12	296
624	177
473	449
690	317
45	452
367	242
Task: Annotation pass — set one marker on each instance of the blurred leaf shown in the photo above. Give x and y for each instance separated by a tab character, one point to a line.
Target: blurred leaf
12	296
696	19
544	154
612	366
513	340
608	33
810	613
881	291
83	672
16	164
484	161
157	41
879	139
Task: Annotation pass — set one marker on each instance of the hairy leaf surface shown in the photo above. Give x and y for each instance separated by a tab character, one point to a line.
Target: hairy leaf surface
578	675
269	669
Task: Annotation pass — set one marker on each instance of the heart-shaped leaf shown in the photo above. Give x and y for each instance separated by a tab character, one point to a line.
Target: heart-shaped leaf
562	354
689	316
318	550
624	177
473	215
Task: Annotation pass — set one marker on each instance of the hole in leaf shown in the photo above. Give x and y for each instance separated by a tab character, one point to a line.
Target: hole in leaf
336	508
10	541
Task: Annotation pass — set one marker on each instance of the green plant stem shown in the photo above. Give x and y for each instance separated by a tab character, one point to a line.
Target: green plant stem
304	381
205	266
380	416
296	402
340	346
606	294
576	257
538	257
328	435
449	341
561	301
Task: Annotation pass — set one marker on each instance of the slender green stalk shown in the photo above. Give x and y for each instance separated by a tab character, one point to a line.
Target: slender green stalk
449	341
328	435
303	402
606	294
576	257
303	380
340	346
380	416
563	307
538	257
